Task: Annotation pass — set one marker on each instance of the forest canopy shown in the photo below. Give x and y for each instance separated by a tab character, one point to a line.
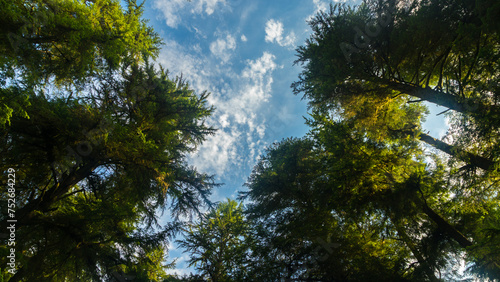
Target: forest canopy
96	137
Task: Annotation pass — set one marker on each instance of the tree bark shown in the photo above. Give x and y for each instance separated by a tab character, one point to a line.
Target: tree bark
421	260
447	228
461	105
469	158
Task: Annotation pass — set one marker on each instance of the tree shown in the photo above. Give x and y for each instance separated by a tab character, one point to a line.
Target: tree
65	43
71	39
309	230
369	199
378	59
384	50
93	172
217	244
372	65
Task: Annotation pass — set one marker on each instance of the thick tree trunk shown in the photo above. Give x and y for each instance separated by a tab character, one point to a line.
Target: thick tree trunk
434	96
446	228
467	106
44	201
469	158
409	243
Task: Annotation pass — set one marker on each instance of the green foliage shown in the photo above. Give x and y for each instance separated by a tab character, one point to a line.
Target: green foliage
13	102
95	172
217	244
370	62
359	198
351	196
66	43
304	222
98	139
362	163
72	39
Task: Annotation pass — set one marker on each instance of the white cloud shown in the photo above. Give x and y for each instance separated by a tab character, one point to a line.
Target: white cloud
238	118
209	5
241	99
218	151
321	6
223	121
244	38
258	68
222	48
274	33
274	30
173	9
170	10
188	62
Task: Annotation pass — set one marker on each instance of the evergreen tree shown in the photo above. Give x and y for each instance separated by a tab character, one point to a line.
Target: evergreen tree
371	66
95	171
218	243
65	43
356	199
361	61
71	39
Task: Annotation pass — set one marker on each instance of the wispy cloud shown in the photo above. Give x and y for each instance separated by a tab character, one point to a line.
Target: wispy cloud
274	33
321	6
188	61
208	6
240	98
242	126
222	47
173	9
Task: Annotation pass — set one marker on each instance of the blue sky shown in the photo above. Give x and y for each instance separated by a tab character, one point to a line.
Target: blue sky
242	52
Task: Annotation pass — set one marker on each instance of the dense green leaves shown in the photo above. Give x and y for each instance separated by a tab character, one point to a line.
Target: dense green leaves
358	199
95	171
383	51
218	243
65	43
71	39
366	66
96	164
98	137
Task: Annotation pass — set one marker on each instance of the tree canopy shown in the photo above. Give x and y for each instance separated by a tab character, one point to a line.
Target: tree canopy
97	136
360	59
356	199
369	67
68	43
368	194
362	179
71	40
113	160
99	152
218	243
